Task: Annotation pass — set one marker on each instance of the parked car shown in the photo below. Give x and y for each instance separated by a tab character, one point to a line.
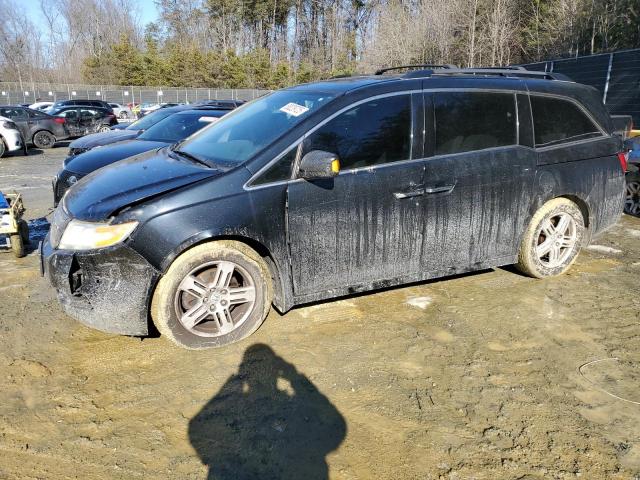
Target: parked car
121	111
37	128
40	105
337	187
132	130
81	102
10	137
154	107
171	129
632	185
84	120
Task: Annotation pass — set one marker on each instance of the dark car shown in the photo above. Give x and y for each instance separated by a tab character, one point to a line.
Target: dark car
81	121
171	129
37	128
632	188
82	102
334	188
132	130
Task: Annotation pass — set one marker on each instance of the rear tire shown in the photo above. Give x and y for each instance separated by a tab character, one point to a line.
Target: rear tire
553	239
44	139
228	301
104	128
3	149
17	245
123	115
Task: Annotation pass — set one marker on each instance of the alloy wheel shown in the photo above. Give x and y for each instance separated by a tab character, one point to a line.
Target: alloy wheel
632	198
215	299
556	240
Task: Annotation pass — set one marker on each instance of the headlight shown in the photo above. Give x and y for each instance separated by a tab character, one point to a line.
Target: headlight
10	125
72	180
88	235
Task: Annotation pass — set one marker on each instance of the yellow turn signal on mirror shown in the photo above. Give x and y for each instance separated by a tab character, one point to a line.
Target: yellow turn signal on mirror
335	165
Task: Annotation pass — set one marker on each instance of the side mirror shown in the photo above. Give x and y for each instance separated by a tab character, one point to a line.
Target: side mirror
319	164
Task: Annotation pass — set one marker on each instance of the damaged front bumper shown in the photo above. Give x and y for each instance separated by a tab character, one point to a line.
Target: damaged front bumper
108	289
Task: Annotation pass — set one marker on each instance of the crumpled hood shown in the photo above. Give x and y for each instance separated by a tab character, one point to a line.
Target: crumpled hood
97	196
92	160
103	138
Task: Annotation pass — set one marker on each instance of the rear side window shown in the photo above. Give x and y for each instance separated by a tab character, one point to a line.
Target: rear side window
467	121
37	114
372	133
558	121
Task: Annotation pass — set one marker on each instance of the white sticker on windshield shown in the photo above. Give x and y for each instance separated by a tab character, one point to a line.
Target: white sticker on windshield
208	119
294	109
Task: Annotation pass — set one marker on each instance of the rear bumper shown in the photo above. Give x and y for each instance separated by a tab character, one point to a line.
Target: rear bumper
107	289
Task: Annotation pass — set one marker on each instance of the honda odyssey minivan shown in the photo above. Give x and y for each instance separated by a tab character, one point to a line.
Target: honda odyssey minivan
337	187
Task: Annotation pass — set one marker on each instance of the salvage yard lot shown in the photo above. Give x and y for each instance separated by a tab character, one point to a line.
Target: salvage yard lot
487	375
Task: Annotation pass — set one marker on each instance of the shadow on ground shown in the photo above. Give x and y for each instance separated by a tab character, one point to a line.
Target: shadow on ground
268	421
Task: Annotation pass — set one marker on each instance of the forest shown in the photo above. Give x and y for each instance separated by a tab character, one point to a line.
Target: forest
275	43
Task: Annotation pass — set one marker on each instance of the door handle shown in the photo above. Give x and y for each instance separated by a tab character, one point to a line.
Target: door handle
443	189
411	193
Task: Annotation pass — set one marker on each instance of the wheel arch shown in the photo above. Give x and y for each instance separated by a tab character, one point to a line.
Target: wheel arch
281	300
35	132
584	209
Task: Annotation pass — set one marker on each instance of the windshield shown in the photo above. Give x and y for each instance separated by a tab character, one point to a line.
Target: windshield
149	120
252	127
179	126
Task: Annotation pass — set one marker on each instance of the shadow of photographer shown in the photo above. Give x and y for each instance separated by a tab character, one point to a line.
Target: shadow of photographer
268	421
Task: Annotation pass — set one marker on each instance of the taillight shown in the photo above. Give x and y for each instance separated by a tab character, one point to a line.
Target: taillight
622	156
59	120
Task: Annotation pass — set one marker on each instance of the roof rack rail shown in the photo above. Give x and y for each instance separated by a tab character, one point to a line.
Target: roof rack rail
419	66
502	72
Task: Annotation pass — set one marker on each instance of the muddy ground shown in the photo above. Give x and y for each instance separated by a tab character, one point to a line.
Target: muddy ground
490	375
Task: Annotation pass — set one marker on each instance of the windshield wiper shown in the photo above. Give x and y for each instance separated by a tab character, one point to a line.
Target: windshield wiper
191	157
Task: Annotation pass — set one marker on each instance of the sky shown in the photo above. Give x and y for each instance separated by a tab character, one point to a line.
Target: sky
146	9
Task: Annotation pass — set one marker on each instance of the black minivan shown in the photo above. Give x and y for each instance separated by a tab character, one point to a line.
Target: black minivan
337	187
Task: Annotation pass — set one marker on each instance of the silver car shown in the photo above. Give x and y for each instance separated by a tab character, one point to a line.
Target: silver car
10	137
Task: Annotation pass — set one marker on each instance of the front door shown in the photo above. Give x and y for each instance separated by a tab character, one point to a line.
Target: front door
366	224
72	121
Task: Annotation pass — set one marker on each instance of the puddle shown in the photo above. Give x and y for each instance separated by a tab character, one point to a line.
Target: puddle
617	378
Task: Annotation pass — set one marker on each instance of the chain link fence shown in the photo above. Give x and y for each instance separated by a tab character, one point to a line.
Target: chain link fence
14	92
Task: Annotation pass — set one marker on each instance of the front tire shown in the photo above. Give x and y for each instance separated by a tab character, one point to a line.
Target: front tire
212	295
44	139
3	149
104	128
17	245
553	239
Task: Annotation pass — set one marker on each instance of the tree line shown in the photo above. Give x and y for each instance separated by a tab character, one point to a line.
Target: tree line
274	43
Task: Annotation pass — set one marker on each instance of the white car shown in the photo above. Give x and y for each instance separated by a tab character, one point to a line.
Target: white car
10	137
40	105
121	111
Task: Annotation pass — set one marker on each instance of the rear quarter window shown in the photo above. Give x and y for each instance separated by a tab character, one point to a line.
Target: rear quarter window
557	121
468	121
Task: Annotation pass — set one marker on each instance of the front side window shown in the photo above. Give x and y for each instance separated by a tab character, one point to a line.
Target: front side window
468	121
558	121
372	133
280	170
247	130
